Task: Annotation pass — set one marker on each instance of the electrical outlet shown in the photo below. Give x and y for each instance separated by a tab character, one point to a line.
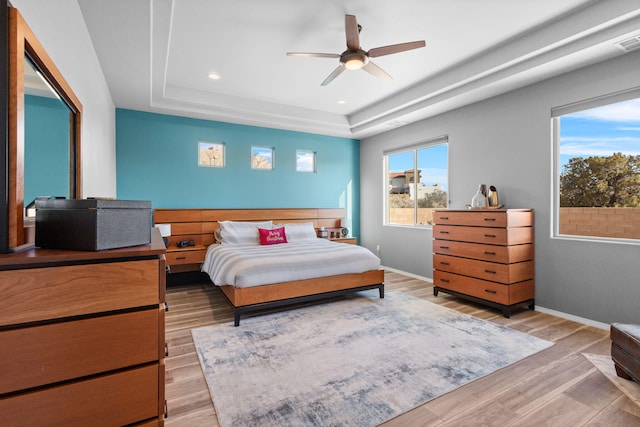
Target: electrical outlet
378	249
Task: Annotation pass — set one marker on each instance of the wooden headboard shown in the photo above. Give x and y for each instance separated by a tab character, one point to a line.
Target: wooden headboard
199	224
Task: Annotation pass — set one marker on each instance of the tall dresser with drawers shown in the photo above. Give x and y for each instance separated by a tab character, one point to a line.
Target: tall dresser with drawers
82	337
486	256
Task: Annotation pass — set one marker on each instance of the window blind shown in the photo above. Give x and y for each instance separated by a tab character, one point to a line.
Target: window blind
432	141
599	101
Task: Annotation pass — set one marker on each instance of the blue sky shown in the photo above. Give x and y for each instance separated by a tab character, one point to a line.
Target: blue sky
601	131
432	162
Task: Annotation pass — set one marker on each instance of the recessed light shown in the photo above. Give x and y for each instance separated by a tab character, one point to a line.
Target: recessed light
342	101
214	76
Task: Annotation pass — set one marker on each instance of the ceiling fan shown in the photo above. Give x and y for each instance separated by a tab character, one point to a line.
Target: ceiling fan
355	58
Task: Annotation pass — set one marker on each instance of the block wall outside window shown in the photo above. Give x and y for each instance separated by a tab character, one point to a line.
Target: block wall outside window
617	223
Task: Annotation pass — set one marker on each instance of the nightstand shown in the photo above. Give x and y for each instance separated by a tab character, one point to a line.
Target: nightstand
349	240
185	259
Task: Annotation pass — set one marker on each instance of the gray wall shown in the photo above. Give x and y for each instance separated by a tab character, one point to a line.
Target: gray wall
506	141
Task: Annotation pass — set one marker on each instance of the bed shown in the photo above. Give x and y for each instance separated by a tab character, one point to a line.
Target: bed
261	285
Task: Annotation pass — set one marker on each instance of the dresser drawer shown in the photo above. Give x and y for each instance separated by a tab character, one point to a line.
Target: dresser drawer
35	294
491	236
485	218
67	350
186	257
496	292
501	254
502	273
118	399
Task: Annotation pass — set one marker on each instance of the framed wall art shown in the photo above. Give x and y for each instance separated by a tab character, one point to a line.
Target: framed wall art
262	158
305	161
211	154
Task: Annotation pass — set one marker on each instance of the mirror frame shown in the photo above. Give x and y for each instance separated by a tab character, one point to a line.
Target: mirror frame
22	41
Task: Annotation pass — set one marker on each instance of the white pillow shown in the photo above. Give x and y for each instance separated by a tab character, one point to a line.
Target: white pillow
299	231
242	233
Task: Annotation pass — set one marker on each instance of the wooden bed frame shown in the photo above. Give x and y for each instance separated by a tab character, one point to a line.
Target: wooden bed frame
199	225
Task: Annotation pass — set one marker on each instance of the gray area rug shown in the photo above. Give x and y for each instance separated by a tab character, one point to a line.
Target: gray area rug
353	362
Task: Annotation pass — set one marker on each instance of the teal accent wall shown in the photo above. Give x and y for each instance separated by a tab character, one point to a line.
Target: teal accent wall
157	160
46	148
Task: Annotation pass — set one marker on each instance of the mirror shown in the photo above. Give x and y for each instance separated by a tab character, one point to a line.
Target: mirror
46	139
43	161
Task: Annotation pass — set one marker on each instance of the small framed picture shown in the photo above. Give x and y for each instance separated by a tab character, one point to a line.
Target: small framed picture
262	158
305	161
211	154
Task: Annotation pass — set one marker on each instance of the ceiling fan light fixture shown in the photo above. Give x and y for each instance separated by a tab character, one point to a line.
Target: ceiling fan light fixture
354	60
354	63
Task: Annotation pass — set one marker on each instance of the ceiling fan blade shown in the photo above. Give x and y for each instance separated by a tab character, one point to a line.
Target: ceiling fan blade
314	55
335	73
395	48
376	71
351	29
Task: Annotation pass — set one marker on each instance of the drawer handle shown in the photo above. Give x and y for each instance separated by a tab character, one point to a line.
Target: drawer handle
444	263
489	219
181	257
444	232
166	349
489	253
444	218
489	291
444	280
490	235
490	271
444	247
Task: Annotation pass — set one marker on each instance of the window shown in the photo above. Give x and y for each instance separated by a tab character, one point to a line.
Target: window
597	168
416	183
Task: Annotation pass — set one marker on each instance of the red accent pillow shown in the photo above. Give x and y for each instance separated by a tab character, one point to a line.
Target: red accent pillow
272	236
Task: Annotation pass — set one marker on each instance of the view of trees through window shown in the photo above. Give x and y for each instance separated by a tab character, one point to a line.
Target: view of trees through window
602	181
599	171
417	184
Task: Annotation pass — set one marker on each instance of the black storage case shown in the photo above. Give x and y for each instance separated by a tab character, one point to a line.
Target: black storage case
92	224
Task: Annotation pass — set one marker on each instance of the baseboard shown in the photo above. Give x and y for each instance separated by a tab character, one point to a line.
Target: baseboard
544	310
573	318
405	273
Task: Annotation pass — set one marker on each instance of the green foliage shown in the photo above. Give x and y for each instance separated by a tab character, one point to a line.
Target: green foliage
612	181
435	199
400	201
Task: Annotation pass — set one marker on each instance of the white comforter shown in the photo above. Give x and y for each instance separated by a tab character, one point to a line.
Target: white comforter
252	265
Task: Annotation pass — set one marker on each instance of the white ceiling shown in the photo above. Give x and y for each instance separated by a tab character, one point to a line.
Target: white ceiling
156	55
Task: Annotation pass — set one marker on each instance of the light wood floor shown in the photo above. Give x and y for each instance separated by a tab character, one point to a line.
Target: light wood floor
556	387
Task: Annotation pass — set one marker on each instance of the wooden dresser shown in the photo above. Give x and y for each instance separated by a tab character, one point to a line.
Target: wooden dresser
485	255
82	337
